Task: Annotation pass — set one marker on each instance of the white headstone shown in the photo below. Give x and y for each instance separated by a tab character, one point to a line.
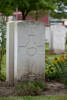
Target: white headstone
10	53
29	50
47	34
58	33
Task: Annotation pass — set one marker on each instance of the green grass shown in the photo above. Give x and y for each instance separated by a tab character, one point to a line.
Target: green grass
63	97
47	48
4	61
4	65
66	48
51	57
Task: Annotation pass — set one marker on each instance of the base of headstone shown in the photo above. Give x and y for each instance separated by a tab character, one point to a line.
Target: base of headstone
57	51
31	78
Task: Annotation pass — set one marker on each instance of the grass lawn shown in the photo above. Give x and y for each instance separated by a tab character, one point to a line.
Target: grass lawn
3	71
51	57
66	48
63	97
4	62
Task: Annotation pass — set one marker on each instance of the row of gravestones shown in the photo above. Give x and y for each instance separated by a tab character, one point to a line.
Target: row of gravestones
56	37
25	50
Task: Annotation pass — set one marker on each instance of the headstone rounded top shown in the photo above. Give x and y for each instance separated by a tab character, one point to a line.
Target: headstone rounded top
30	21
27	21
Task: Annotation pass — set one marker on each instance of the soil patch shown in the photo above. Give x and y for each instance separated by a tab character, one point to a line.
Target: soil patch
54	88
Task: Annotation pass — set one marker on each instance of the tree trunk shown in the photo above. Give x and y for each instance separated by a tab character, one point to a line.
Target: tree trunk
23	16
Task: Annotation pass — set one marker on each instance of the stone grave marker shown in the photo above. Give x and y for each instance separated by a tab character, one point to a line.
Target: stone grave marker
26	53
57	41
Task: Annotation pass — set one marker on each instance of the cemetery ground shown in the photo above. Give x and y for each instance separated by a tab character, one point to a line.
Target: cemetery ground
31	63
53	87
63	97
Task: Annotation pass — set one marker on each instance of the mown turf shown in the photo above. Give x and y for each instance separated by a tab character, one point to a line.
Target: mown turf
52	57
4	65
63	97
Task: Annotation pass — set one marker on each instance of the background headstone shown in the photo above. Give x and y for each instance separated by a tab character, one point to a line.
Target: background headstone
58	33
47	34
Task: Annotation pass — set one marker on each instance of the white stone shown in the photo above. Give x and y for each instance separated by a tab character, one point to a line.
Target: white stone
26	61
47	34
57	42
65	23
10	53
29	51
10	18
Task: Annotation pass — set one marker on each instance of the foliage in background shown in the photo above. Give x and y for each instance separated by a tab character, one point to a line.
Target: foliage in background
25	6
2	40
5	7
61	9
2	77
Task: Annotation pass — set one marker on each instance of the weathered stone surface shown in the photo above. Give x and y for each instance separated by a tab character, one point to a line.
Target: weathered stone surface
26	51
10	53
47	34
29	51
57	42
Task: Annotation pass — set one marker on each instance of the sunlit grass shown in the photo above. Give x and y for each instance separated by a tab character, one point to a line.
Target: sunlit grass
3	71
63	97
